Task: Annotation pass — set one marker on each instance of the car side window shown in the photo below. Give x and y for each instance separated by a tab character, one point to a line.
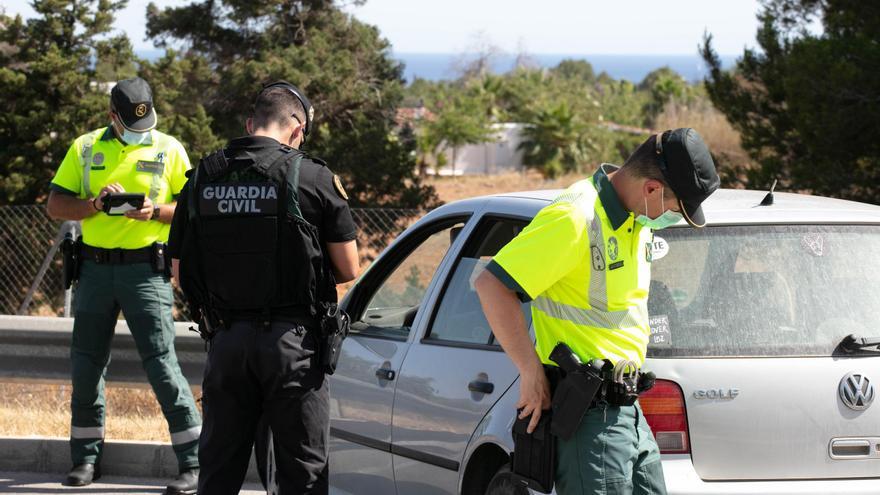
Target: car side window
393	306
459	318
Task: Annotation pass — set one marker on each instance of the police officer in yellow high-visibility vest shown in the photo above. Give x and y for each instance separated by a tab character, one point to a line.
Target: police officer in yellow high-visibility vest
585	263
121	269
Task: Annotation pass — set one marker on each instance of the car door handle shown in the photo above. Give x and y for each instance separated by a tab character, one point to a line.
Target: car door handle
385	374
481	387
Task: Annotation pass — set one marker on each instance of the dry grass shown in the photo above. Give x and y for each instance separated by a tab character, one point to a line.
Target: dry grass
454	188
38	409
723	140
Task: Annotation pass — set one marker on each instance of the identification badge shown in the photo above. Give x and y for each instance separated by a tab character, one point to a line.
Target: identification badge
150	166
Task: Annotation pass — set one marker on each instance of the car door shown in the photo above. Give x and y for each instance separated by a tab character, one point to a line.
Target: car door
383	306
452	374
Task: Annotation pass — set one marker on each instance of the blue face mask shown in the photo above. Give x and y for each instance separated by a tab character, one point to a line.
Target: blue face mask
131	137
667	219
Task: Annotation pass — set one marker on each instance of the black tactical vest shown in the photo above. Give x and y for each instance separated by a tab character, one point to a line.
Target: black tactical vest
252	251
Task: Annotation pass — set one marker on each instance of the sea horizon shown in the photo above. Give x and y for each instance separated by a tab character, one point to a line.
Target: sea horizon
632	67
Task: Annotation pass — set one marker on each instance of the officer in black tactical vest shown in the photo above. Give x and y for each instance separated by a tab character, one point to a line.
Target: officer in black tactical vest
261	236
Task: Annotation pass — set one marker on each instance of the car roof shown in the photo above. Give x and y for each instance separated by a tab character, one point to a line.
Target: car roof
724	207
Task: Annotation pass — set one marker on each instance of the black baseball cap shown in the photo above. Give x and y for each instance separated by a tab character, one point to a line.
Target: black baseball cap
132	100
689	170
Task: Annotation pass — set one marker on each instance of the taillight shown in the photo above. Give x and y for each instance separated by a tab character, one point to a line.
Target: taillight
664	409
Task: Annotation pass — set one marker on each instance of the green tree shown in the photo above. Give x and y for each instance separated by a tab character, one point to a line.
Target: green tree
807	104
53	70
580	70
461	118
621	102
342	64
556	141
661	86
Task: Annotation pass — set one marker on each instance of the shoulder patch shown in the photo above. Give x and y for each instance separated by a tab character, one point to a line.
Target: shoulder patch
339	189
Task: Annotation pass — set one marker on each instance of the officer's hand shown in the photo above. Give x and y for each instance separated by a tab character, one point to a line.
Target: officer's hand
110	188
144	213
534	396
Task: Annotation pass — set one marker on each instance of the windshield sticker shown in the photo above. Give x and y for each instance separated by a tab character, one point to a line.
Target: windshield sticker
660	248
814	244
660	332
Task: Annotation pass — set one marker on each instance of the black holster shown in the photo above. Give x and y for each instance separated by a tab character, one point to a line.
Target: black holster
578	387
534	454
209	322
572	399
71	252
335	325
159	259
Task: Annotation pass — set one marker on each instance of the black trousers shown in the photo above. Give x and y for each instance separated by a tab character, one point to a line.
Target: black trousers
255	374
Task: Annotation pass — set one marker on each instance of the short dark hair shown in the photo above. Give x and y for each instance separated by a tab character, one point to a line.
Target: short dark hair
276	105
643	162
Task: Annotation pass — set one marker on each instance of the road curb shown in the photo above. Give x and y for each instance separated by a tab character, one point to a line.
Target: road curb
121	457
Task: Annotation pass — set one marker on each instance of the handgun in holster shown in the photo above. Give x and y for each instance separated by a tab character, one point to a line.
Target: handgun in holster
208	323
71	258
575	392
335	325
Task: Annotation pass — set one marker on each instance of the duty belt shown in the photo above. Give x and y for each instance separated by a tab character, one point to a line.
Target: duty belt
117	256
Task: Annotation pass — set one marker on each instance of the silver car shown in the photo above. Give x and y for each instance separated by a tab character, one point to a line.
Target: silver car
759	391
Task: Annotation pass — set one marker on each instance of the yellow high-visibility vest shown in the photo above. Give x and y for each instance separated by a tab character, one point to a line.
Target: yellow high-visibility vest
586	265
156	168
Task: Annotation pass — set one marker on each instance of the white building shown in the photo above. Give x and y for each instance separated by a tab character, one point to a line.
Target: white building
494	157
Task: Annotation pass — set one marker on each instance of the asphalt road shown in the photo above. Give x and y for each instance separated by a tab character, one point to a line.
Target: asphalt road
41	483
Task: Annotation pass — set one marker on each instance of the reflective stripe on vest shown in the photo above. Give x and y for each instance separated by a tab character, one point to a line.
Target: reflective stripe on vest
86	162
598	314
156	183
614	319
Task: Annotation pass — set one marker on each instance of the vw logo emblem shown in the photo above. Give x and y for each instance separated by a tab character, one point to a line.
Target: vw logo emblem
856	391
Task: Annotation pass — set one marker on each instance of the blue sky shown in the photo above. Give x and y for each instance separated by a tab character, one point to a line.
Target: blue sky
534	26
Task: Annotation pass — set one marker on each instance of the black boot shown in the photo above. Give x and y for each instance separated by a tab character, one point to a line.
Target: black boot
82	475
185	483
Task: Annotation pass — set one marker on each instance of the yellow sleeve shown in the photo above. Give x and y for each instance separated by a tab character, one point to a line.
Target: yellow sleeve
178	162
69	173
549	248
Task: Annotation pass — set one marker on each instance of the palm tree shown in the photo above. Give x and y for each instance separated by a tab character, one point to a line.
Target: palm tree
555	142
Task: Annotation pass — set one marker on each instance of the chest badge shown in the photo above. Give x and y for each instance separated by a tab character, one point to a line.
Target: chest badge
598	259
612	248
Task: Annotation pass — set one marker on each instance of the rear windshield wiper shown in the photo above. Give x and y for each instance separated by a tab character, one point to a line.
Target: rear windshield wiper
851	343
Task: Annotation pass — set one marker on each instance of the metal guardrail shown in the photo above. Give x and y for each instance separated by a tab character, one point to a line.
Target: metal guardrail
38	348
30	265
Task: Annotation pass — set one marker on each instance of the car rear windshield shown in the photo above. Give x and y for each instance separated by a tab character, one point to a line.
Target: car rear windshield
763	290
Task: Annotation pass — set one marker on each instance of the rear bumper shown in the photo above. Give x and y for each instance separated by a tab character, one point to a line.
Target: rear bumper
682	479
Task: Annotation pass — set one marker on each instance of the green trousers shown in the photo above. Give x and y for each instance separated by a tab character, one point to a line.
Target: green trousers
613	452
145	299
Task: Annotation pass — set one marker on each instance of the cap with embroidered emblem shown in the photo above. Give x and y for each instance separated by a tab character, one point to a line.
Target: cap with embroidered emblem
132	100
